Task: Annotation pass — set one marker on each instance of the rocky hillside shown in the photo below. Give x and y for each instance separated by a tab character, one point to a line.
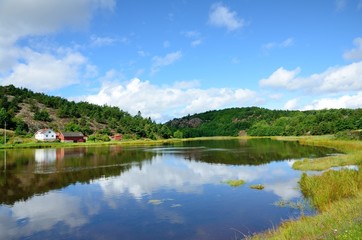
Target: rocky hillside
264	122
25	112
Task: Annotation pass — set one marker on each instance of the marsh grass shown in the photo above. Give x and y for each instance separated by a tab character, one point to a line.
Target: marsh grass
235	183
331	186
342	220
324	163
336	194
257	187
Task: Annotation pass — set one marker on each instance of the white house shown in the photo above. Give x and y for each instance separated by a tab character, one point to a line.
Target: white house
45	135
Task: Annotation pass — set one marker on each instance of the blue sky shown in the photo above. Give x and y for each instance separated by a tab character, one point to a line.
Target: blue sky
172	58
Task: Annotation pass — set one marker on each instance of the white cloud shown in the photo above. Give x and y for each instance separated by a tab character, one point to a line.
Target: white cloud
347	101
20	18
161	103
102	41
355	53
196	43
195	36
42	71
221	16
281	78
291	104
168	59
283	44
334	79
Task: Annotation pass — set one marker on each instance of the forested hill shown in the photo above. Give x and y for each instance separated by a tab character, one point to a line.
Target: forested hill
264	122
25	112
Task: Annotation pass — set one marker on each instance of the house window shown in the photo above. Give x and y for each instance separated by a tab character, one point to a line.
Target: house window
52	135
46	135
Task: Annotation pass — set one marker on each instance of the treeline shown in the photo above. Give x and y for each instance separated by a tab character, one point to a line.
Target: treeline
256	121
64	115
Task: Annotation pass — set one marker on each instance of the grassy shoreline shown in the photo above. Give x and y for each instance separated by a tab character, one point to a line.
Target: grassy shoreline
340	216
30	143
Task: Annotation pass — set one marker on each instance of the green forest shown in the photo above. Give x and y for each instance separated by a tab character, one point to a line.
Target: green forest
255	121
25	111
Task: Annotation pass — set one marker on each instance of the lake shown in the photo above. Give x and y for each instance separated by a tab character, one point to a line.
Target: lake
174	191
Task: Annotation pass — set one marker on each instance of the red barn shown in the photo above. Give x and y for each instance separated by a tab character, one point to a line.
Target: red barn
71	137
117	137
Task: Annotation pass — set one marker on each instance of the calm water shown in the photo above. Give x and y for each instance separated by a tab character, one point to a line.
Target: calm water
163	192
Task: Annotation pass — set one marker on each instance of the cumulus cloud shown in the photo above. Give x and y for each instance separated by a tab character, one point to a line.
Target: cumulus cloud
42	69
168	59
333	80
346	101
22	18
355	53
281	78
222	16
291	104
162	102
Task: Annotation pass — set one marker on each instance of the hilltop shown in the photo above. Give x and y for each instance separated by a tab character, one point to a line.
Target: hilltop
257	121
25	112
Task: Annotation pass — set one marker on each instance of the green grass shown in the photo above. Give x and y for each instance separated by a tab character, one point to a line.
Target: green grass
342	219
336	194
235	183
331	186
352	156
257	186
324	163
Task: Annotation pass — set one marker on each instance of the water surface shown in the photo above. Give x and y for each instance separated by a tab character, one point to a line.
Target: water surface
162	192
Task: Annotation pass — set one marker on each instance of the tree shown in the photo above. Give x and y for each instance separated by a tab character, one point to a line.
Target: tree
42	115
178	134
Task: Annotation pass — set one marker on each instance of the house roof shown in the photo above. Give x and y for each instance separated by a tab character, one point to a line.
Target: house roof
44	130
72	134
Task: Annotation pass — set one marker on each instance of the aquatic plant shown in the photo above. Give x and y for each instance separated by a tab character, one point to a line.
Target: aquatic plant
257	186
235	183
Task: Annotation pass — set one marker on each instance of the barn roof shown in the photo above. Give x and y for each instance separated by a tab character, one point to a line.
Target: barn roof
72	134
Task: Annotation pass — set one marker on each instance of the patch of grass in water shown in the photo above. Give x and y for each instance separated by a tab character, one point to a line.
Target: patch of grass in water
235	183
257	187
324	163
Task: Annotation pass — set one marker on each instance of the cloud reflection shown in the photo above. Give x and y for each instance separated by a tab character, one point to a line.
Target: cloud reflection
40	213
172	173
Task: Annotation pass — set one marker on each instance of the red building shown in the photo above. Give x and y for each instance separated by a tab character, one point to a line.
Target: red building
117	137
71	137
